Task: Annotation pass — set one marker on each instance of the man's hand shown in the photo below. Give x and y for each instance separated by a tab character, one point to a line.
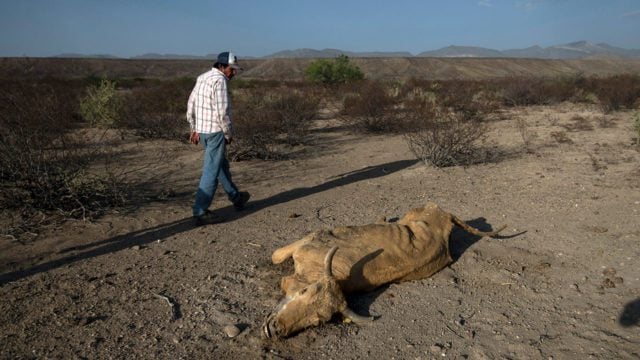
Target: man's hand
194	138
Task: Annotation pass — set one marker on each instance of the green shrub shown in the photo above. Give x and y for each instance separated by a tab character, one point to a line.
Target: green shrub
336	71
101	105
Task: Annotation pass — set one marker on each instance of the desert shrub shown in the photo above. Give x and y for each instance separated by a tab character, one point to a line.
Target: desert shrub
336	71
101	105
265	122
523	92
616	92
44	161
370	108
526	134
448	138
157	110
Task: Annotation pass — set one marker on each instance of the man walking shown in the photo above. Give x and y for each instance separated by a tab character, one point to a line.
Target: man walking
209	116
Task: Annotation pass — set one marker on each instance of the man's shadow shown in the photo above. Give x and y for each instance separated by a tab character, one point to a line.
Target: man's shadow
459	242
111	245
367	173
160	232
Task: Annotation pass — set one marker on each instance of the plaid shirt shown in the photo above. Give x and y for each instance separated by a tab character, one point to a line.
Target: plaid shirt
209	106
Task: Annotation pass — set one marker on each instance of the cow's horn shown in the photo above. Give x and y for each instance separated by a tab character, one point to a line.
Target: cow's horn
358	319
328	260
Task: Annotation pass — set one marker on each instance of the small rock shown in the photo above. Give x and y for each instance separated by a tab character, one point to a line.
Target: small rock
436	349
136	247
231	331
293	215
575	287
618	280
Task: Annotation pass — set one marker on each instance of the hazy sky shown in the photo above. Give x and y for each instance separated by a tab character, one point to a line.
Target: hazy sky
261	27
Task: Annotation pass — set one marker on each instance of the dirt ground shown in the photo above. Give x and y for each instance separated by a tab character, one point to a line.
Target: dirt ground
563	283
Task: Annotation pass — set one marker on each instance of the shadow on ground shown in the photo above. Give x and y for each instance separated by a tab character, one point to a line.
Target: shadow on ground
145	236
630	315
368	173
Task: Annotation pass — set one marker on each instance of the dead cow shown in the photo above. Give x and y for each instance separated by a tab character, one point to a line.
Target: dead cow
356	259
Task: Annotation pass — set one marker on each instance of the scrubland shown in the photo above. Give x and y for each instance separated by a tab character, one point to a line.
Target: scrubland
99	259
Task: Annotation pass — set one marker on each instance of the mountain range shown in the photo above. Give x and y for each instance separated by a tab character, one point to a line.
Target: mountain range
574	50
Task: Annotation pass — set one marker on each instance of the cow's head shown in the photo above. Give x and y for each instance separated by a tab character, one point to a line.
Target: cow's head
312	305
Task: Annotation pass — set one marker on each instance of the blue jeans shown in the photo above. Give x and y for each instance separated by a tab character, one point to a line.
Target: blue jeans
216	167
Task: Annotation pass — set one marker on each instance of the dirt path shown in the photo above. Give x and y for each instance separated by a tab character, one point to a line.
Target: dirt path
149	285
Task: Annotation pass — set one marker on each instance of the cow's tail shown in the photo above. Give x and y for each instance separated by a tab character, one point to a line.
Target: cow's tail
475	231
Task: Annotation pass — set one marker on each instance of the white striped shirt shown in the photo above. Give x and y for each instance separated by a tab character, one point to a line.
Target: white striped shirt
209	106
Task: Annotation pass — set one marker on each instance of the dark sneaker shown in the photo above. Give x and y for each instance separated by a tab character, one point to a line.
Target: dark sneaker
241	200
207	218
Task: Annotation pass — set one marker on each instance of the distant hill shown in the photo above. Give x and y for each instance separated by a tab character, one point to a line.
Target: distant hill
331	53
155	56
574	50
377	68
85	56
462	51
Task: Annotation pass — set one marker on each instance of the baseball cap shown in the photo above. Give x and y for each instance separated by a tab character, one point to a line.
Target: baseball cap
229	58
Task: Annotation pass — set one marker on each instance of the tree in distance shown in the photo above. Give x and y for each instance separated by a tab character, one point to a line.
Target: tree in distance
336	71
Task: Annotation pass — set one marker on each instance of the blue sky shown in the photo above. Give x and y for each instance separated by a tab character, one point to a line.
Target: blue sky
261	27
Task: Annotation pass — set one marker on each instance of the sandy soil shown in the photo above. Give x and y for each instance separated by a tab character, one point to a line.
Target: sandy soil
564	283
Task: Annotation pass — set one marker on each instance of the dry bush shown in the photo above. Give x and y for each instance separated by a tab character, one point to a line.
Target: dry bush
519	91
526	134
371	108
447	138
468	96
616	92
44	160
156	109
264	122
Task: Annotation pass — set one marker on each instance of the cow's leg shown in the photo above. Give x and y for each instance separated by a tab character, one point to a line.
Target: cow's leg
285	252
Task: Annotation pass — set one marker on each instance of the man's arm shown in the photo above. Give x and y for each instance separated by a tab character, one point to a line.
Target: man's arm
222	105
194	137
